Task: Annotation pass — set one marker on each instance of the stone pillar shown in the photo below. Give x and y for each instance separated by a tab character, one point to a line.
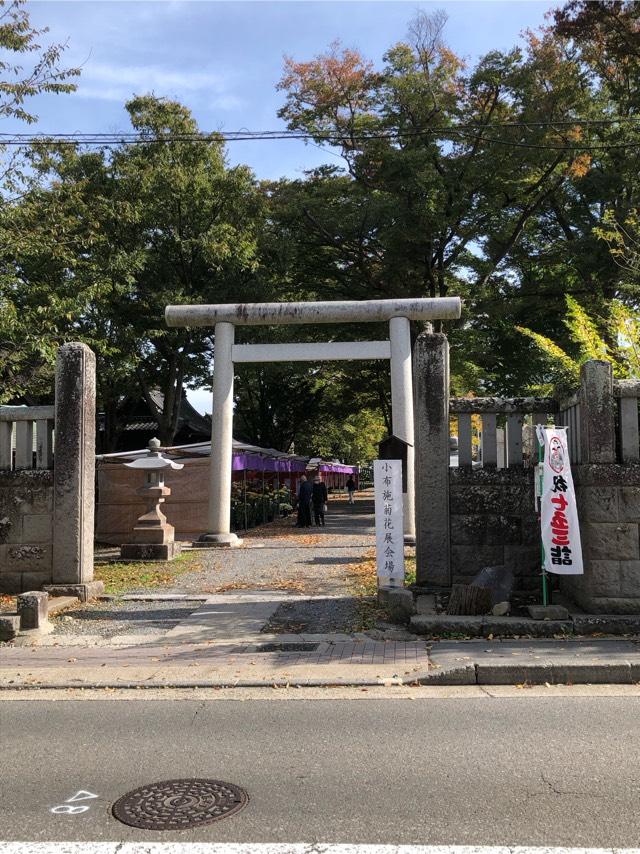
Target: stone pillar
219	523
74	467
431	392
402	410
597	408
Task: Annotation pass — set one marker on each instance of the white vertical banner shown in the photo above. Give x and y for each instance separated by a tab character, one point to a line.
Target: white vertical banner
560	530
387	483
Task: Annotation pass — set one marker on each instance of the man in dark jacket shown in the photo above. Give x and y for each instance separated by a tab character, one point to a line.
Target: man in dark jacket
304	503
319	499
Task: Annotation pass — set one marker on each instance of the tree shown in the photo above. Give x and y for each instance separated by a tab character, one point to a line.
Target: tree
26	346
17	85
425	146
591	341
120	233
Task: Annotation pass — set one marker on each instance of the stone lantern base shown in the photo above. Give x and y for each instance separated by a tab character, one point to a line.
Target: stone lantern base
150	551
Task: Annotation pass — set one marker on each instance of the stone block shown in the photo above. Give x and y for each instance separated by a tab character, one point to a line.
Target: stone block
606	475
33	608
37	528
444	624
426	604
521	626
485	529
598	504
458	675
630	578
34	580
150	551
613	624
597	428
83	592
10	582
523	560
497	500
610	541
601	578
26	557
26	491
501	609
9	626
496	673
530	530
604	673
548	612
399	604
605	605
468	560
629	504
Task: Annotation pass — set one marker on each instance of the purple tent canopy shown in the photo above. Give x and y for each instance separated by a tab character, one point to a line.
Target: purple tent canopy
256	462
338	467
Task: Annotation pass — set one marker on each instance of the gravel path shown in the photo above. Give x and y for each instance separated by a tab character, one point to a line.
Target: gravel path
312	560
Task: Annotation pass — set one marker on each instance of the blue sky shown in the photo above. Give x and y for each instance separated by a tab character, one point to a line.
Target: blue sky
224	59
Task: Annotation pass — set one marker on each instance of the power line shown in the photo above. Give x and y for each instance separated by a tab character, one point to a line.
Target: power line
440	132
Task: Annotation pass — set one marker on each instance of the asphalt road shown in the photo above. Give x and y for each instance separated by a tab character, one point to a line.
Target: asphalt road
527	770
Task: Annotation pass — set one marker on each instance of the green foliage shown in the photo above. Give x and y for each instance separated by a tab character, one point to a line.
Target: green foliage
97	247
18	38
623	354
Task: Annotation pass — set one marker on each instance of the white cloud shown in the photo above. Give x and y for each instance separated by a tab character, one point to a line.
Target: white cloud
100	81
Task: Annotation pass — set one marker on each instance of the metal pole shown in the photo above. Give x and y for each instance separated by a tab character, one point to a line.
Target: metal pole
244	495
402	410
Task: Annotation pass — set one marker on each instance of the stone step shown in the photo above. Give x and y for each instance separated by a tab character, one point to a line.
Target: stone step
61	603
9	626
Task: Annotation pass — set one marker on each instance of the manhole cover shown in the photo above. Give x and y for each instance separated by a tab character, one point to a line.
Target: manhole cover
287	647
179	804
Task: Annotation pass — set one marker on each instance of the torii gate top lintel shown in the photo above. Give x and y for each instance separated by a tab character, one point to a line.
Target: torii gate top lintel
338	311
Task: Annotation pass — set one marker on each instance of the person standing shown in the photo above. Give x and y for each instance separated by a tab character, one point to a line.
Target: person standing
351	488
319	499
304	503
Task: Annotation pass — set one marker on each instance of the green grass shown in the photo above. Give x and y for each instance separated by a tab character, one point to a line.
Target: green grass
121	577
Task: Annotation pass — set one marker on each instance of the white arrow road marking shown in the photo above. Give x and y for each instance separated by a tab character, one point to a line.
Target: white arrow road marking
82	795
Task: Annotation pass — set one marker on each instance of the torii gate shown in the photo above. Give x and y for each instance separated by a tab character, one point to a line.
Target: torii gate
397	349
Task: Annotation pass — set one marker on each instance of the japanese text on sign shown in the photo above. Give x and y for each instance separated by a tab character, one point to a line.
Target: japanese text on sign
558	514
387	481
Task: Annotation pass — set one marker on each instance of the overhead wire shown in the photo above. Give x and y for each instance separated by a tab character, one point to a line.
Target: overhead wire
336	139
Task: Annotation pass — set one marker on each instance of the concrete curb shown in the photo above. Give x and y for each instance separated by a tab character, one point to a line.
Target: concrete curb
618	673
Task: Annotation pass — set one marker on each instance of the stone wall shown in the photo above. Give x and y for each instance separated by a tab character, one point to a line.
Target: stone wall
493	522
119	506
608	498
46	516
26	530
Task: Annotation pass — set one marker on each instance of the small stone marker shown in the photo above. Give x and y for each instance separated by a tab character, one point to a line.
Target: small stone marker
33	610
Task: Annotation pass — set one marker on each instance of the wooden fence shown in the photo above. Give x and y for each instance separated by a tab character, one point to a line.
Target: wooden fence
26	437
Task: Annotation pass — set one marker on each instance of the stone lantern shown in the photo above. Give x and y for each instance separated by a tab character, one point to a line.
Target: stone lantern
153	536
